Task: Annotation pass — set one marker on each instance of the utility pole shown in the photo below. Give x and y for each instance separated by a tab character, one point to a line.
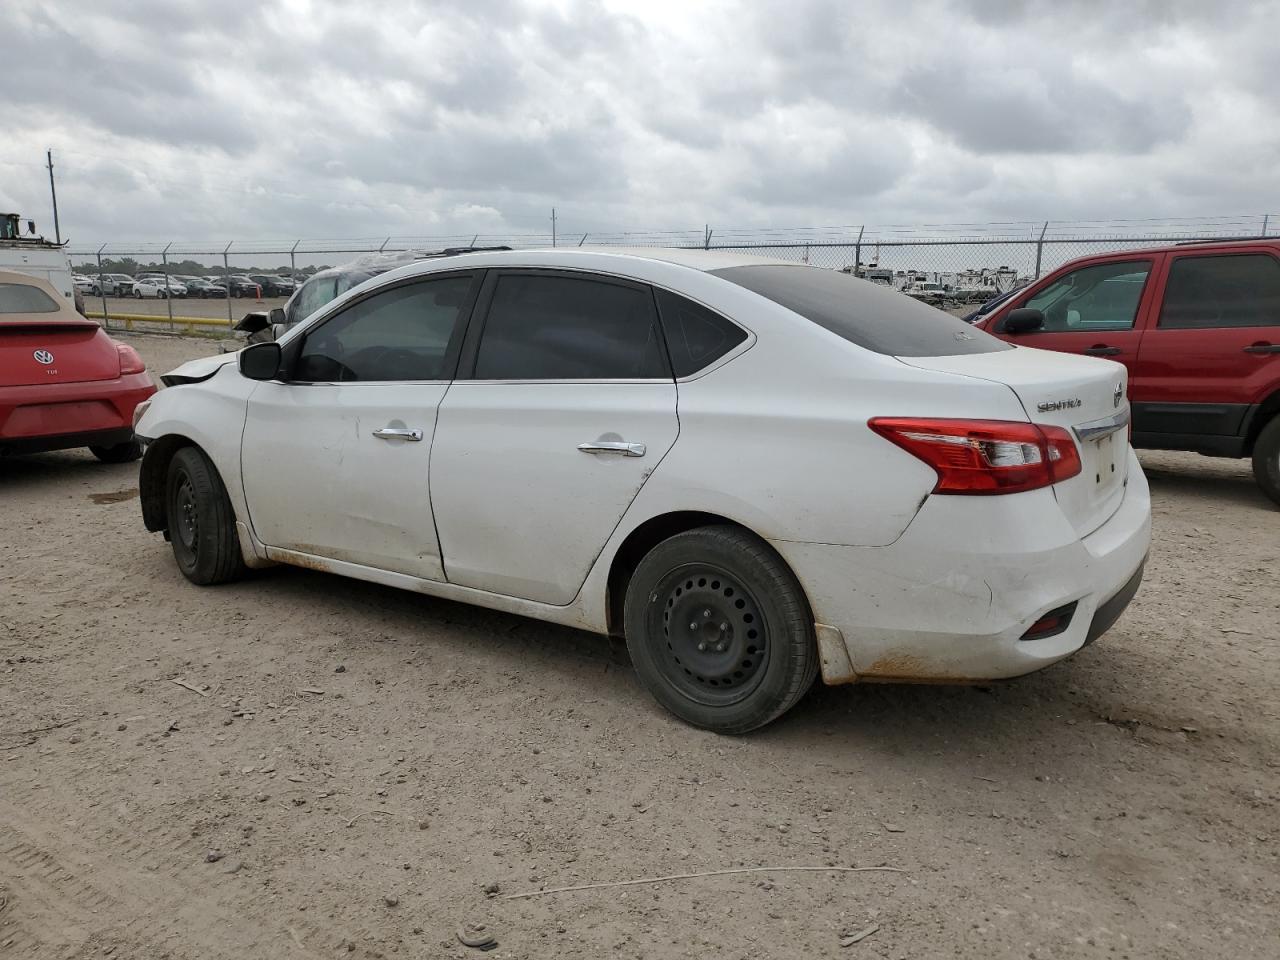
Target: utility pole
553	226
57	231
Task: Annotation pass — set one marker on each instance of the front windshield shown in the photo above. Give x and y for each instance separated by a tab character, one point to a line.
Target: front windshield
318	291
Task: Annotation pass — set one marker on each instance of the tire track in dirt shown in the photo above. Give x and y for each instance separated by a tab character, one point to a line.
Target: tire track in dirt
99	883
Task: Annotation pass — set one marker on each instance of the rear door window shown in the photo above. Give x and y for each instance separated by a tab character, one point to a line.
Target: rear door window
564	327
696	337
867	314
1104	296
1235	290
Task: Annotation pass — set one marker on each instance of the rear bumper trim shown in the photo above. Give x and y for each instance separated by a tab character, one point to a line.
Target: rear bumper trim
66	441
1097	429
1109	611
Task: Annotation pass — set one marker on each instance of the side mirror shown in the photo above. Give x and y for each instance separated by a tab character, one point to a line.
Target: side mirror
275	315
261	361
1022	320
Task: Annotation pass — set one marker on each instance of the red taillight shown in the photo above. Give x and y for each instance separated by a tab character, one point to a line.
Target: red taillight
985	456
130	362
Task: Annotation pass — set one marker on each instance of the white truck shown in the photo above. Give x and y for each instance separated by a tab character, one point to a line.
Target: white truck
34	255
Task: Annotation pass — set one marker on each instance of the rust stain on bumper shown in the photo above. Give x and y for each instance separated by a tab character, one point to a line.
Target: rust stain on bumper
904	668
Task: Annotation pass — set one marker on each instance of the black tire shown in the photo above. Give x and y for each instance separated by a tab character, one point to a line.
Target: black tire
137	294
201	521
125	452
719	630
1266	459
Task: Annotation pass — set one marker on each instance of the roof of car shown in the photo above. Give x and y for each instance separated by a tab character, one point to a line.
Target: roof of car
1184	246
704	260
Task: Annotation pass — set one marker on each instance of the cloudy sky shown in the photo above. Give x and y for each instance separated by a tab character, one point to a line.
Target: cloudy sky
194	119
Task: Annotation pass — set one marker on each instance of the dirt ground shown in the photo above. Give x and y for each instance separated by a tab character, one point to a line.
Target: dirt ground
360	771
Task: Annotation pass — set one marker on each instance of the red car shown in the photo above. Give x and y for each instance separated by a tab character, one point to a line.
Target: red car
64	382
1198	327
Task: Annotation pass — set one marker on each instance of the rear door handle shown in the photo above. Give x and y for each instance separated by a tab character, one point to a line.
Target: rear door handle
1102	350
397	433
597	447
1263	348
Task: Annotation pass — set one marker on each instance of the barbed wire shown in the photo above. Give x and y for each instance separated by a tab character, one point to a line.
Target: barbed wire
1045	232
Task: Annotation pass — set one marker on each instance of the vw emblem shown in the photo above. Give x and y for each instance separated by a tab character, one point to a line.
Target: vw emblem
961	335
43	356
1118	395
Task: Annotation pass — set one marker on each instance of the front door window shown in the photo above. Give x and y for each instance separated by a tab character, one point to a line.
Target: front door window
1096	298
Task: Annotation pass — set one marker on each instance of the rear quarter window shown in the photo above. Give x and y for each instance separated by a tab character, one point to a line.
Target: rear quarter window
24	298
864	313
696	337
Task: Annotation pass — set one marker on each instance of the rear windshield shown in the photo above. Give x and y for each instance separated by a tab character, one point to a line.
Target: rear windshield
23	298
868	314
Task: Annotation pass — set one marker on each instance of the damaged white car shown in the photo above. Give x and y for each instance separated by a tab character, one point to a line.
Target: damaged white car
756	472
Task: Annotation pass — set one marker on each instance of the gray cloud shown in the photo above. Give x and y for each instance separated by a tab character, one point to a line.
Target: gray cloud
1036	110
170	119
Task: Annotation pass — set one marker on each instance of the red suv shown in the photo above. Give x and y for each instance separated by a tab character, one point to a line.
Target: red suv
1198	326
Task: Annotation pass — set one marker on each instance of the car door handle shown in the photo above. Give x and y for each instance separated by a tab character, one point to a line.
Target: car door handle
1262	347
613	446
397	433
1102	350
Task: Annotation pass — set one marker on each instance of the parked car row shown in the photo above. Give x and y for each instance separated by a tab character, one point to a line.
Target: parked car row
156	284
938	452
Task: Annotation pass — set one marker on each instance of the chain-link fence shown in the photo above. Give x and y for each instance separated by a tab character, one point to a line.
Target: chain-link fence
950	265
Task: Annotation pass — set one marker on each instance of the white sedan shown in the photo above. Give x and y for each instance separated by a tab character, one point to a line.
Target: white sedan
754	471
155	287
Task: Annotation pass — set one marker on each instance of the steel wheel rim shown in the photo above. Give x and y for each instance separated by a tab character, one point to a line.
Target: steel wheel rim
710	638
186	515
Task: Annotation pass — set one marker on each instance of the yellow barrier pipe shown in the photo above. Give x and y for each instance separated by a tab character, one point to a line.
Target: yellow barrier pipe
131	318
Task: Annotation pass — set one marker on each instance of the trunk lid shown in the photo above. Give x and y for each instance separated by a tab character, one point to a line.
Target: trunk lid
1084	395
55	351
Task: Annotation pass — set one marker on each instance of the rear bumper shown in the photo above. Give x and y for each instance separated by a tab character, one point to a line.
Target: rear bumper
64	415
951	600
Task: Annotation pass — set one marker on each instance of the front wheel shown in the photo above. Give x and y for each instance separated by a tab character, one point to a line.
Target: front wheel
201	521
719	630
125	452
1266	459
137	294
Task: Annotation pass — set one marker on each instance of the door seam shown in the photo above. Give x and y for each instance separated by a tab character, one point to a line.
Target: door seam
431	456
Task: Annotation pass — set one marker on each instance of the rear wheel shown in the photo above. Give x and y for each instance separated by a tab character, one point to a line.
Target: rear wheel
719	630
1266	459
201	521
119	453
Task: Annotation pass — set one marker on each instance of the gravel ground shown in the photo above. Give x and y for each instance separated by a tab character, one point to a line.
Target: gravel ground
360	771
